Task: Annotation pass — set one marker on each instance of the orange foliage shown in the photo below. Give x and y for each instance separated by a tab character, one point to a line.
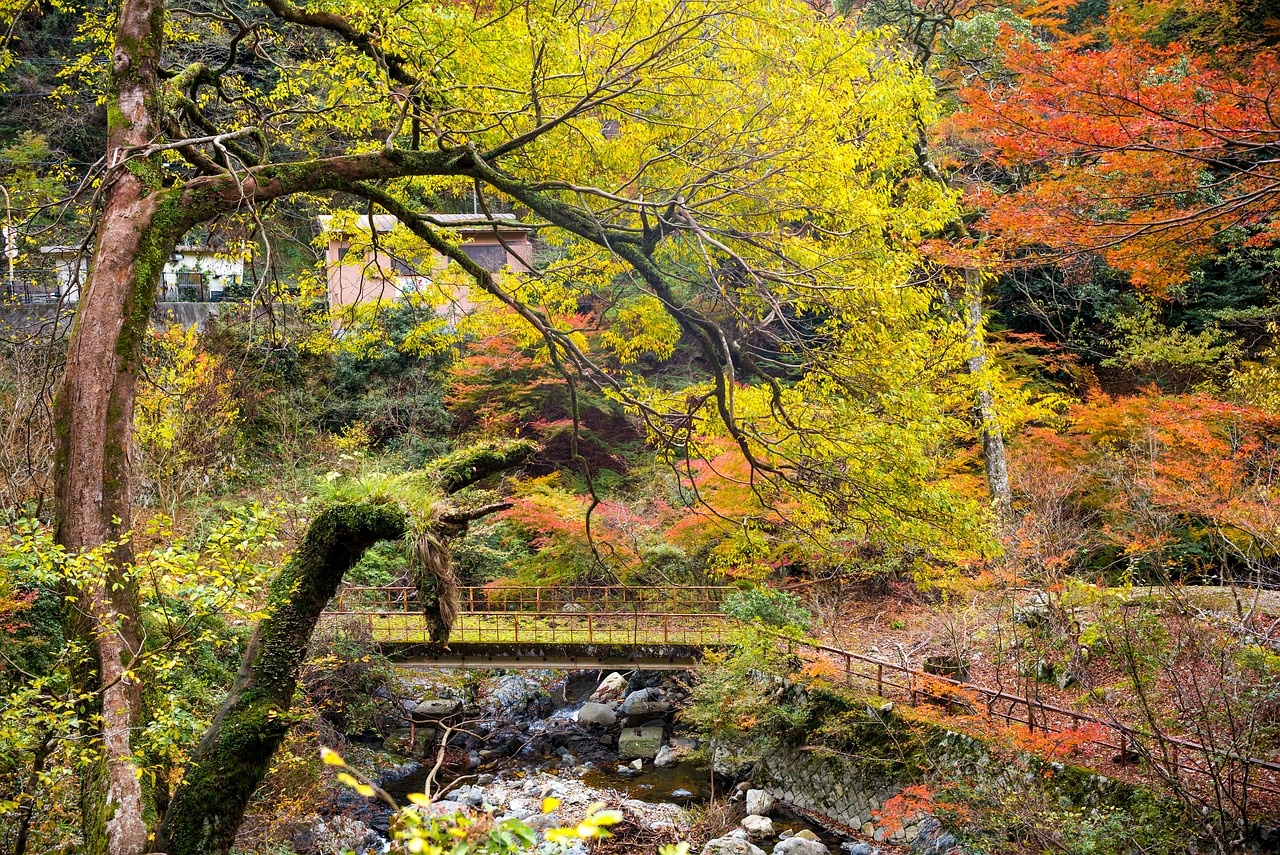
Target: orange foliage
1135	472
912	802
1111	149
1056	746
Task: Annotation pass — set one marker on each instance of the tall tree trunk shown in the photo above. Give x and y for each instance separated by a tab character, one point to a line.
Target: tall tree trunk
984	409
236	750
95	418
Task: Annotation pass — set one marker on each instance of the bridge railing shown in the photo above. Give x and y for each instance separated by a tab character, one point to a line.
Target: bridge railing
489	599
1110	742
524	628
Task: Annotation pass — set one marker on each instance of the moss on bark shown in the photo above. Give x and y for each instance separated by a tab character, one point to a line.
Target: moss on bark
474	463
235	753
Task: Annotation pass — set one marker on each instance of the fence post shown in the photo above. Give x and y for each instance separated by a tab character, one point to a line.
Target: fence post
880	679
666	629
517	620
591	632
537	603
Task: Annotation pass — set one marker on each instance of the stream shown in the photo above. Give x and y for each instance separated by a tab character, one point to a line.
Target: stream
516	738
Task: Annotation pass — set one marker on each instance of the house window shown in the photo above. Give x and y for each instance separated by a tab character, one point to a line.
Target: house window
190	286
490	256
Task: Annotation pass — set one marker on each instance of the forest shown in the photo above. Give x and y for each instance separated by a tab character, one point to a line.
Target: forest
472	427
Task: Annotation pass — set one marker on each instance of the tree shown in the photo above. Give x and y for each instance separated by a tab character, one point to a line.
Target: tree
1151	156
749	170
926	30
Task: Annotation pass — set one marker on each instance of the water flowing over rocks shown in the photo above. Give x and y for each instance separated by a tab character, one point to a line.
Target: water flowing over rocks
506	743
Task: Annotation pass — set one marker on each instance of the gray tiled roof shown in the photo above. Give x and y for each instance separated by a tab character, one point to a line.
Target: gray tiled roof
386	222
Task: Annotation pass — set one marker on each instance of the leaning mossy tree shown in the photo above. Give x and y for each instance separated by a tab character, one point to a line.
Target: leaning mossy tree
235	753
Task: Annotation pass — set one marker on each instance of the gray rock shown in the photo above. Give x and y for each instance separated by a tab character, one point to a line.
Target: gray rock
758	826
485	780
1034	611
731	846
806	834
512	692
681	794
639	696
931	839
642	742
343	834
643	713
568	760
730	764
433	710
666	757
800	846
593	713
398	740
740	833
759	802
944	843
610	688
858	848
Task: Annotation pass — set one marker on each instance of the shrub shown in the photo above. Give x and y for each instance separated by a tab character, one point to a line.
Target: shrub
768	606
347	680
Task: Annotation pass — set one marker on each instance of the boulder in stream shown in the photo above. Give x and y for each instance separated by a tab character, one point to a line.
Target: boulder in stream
731	846
610	688
512	693
593	713
641	742
666	757
758	826
800	846
759	802
436	709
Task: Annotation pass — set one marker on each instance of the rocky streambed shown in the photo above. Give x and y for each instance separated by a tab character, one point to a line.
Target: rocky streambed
503	745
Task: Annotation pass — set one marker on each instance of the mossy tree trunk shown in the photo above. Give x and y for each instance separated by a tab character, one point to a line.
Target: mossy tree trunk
94	412
235	753
984	408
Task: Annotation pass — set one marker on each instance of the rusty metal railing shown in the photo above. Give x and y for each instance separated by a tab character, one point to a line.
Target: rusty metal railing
1248	777
517	614
674	599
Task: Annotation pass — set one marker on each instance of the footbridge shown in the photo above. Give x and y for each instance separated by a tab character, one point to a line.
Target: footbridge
572	627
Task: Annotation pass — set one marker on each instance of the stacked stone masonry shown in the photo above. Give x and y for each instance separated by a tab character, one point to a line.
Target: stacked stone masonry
834	787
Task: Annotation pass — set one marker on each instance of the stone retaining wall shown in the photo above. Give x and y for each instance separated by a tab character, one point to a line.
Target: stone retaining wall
836	788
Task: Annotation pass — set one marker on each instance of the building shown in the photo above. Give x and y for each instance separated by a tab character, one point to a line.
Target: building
372	277
193	274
